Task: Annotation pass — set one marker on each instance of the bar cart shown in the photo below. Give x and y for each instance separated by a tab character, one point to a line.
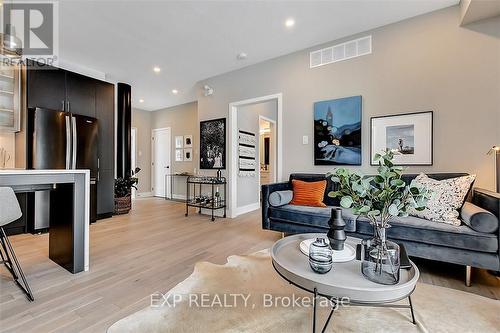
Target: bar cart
198	196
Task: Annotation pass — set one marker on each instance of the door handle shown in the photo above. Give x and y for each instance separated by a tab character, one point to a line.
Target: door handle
68	141
73	123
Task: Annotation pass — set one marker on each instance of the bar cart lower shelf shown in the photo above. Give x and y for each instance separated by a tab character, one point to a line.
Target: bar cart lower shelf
204	192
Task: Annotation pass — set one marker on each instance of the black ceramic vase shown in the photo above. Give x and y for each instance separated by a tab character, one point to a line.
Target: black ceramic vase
336	234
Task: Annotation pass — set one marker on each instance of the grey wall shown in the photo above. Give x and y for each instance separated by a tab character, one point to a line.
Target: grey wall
142	121
248	120
183	120
425	63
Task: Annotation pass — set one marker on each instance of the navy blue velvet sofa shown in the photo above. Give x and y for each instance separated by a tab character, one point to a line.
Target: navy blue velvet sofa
421	238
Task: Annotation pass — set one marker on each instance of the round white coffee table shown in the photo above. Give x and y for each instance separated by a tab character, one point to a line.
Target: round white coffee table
344	282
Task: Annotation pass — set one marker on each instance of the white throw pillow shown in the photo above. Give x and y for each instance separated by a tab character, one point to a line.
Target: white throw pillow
447	198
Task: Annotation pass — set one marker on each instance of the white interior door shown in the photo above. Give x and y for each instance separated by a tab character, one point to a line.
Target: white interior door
161	162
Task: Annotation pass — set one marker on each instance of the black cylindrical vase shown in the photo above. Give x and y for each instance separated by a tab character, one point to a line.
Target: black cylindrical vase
336	234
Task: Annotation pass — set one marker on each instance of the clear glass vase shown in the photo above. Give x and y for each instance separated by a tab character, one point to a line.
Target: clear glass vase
320	256
380	258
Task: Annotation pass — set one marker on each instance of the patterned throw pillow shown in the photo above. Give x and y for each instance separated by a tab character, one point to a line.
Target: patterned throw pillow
447	198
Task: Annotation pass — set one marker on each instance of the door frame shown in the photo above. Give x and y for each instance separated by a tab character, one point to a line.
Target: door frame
233	143
273	144
153	132
133	153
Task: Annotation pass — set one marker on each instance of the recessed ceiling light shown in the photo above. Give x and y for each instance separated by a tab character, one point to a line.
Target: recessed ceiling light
289	22
156	69
175	91
141	101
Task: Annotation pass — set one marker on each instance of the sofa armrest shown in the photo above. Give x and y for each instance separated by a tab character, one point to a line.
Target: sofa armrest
487	200
266	191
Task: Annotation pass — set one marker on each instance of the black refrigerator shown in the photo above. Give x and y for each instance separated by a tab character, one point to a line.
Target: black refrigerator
62	140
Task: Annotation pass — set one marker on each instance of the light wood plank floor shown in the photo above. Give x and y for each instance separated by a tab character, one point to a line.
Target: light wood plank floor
151	249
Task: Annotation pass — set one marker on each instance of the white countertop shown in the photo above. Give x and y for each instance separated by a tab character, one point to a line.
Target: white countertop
42	172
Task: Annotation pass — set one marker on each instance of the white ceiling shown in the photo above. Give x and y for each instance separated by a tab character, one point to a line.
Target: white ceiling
194	40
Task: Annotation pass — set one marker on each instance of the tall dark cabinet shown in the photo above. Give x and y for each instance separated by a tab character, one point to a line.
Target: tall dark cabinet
59	89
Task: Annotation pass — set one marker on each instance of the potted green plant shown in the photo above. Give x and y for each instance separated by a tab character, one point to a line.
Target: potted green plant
123	192
379	198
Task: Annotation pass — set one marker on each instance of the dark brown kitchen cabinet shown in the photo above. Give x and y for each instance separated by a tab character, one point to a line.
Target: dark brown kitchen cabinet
46	88
80	94
58	89
106	193
105	112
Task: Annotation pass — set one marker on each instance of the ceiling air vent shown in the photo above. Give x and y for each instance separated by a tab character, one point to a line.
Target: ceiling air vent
351	49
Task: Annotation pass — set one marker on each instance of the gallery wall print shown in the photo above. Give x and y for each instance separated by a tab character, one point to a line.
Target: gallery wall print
179	140
213	144
188	141
337	131
410	135
247	153
188	154
179	156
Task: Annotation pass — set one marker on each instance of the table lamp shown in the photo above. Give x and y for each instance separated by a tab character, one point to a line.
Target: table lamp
496	150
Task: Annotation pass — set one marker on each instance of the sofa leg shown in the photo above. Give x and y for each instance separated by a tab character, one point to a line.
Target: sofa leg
468	272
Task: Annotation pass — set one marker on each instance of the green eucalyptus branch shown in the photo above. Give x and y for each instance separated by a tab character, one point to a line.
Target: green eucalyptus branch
380	197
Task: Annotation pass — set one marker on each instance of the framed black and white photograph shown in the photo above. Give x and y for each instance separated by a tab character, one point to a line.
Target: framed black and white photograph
188	155
179	141
213	144
188	141
409	135
179	155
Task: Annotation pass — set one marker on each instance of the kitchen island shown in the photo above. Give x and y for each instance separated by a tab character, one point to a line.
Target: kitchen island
69	211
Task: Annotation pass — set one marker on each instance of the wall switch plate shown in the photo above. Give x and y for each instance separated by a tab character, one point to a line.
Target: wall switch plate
305	140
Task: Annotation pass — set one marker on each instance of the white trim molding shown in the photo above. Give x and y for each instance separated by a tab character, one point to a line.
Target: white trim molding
144	194
234	211
247	209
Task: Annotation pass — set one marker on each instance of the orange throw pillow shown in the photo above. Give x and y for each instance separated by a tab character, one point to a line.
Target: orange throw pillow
308	193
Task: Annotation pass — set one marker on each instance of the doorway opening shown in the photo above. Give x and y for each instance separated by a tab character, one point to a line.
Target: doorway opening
244	117
160	166
267	151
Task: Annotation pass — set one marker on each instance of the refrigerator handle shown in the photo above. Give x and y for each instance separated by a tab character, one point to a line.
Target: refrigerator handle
68	143
74	141
63	108
67	106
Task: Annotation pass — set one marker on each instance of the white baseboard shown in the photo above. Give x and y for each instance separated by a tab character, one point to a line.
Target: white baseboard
179	196
247	209
144	194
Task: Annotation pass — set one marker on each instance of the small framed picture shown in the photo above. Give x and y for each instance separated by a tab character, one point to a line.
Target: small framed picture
188	141
409	135
179	140
179	155
188	154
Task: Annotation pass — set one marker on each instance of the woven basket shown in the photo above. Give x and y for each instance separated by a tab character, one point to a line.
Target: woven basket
123	205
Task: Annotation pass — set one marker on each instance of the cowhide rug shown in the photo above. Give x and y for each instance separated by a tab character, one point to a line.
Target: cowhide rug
437	309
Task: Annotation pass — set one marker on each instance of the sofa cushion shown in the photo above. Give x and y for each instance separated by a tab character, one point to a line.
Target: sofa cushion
447	197
308	193
311	216
424	231
479	219
311	177
280	198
